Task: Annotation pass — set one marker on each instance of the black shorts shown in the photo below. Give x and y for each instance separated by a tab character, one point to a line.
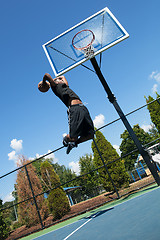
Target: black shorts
80	122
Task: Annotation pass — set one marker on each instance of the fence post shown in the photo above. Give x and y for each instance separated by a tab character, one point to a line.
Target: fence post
30	184
158	101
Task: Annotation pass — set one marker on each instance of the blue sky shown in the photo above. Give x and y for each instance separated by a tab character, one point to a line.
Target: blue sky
33	123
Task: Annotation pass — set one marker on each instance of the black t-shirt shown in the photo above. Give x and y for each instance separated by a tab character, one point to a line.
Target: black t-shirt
64	93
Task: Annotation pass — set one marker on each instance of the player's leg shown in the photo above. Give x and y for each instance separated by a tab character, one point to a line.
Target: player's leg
68	139
87	127
73	142
80	124
85	138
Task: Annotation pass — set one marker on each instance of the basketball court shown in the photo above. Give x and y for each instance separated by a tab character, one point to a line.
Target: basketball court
135	217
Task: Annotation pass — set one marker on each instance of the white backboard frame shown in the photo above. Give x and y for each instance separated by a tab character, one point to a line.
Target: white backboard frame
61	72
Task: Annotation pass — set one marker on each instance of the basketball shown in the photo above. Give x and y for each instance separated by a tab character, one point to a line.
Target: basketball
43	86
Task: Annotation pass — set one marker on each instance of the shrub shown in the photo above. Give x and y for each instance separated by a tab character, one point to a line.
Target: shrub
3	228
58	203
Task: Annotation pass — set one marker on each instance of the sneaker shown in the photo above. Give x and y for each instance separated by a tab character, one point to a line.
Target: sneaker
70	146
65	142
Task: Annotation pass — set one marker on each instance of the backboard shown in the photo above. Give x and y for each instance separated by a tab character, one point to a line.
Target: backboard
107	32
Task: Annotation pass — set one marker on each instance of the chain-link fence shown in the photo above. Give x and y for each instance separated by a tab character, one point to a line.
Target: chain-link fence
30	211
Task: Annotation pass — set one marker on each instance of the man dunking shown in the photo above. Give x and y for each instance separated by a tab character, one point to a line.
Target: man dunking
81	126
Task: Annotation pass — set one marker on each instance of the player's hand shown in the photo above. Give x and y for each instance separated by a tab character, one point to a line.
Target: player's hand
43	86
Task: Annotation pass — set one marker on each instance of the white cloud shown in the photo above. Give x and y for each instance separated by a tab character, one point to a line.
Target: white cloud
37	156
146	128
117	149
52	155
99	121
154	88
16	144
8	198
151	76
12	156
155	75
74	167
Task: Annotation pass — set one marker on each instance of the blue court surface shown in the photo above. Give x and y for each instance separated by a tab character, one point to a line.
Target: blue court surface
135	219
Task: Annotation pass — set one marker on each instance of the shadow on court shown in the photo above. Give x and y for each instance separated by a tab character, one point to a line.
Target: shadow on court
132	193
94	215
134	219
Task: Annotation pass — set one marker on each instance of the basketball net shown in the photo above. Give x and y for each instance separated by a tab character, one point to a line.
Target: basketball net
82	41
88	52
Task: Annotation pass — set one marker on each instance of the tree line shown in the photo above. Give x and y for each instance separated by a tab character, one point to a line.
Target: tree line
45	176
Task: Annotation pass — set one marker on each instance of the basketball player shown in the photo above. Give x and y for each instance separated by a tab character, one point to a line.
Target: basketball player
81	126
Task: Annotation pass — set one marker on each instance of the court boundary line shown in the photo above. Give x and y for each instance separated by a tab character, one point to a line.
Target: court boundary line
80	226
56	228
140	195
115	204
77	229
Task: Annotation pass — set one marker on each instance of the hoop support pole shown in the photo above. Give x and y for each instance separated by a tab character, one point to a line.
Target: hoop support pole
113	100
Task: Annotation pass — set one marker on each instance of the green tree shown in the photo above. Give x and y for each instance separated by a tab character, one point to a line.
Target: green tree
9	214
153	132
154	110
57	200
90	181
116	169
65	174
3	226
37	164
27	213
128	145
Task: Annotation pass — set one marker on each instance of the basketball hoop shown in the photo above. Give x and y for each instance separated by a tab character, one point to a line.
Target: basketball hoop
83	40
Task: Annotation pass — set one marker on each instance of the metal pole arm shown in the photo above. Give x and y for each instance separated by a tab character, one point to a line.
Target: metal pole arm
112	99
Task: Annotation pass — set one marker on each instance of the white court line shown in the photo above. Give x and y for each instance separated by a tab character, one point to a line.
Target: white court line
112	205
79	227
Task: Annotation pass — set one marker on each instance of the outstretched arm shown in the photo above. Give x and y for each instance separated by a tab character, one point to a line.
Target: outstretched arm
47	77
